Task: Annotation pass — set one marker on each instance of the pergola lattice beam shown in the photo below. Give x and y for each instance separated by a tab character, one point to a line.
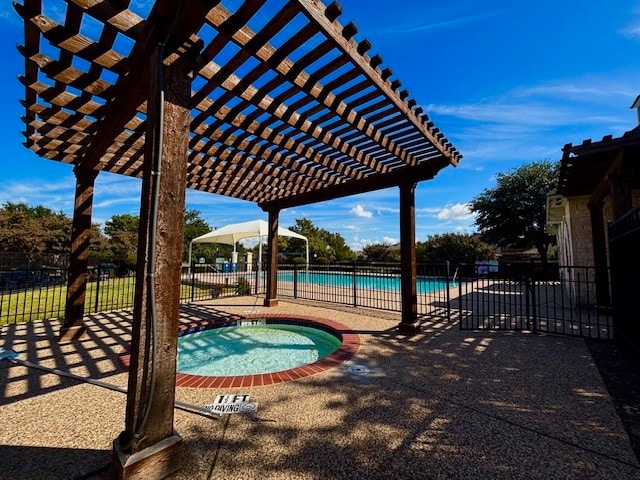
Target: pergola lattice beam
267	123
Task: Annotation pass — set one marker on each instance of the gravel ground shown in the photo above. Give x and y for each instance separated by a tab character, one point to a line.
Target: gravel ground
621	374
443	404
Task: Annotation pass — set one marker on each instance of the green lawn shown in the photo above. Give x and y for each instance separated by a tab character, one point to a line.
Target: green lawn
41	303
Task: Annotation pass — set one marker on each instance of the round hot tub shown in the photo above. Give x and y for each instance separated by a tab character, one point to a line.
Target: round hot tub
262	350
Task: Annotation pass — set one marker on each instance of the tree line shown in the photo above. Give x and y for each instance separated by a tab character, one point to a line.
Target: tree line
40	230
512	214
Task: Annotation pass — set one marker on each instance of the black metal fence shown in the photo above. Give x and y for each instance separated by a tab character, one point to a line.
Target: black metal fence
553	299
559	300
624	240
371	286
40	293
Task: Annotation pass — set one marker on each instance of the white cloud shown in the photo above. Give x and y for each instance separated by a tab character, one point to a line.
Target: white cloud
421	27
459	211
533	122
383	210
357	243
632	32
57	196
359	211
561	102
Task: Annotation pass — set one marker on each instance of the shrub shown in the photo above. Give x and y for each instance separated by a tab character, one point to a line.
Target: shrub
244	288
216	290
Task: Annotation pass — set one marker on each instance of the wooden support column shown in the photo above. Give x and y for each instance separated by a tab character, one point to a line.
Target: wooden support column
621	198
73	326
147	448
599	254
408	262
271	299
616	182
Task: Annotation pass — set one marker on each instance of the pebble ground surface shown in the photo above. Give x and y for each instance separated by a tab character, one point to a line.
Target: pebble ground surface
443	404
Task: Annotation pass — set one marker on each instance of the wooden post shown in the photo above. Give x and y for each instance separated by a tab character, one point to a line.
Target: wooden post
148	446
73	326
408	262
621	197
271	299
599	254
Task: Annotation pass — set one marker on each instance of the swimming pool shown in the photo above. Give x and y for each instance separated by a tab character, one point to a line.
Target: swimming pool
372	281
253	347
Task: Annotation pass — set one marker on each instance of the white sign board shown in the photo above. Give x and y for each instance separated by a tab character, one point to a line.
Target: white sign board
252	323
233	403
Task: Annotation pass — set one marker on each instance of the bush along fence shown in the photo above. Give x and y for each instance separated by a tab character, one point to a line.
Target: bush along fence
490	296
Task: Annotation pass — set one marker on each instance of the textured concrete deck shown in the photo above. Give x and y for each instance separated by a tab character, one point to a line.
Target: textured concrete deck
444	404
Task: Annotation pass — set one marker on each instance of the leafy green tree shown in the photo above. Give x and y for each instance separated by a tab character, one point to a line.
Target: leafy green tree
324	246
122	223
513	213
99	244
379	252
122	231
33	229
455	248
194	227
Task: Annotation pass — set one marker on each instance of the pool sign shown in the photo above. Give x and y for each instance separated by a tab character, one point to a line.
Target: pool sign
238	403
251	323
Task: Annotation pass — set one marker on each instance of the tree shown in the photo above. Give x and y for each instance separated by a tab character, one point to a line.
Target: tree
33	229
324	246
99	244
379	252
195	226
455	248
513	214
122	231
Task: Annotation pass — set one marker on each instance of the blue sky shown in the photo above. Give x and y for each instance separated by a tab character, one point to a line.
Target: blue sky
507	82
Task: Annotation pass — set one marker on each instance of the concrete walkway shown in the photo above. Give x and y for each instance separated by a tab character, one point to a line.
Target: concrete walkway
444	404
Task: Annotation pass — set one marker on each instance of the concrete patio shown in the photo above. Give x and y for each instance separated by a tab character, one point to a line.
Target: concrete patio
443	404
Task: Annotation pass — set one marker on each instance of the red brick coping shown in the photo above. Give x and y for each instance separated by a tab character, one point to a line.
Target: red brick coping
348	348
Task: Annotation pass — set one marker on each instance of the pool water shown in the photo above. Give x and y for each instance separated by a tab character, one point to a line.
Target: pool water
252	349
379	282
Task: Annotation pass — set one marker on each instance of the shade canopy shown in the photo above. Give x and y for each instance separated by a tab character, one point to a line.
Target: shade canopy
233	233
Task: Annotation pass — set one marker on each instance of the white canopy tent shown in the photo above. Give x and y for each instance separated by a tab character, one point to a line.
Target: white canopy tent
233	233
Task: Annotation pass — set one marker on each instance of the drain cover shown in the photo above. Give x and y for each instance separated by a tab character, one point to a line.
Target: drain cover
358	370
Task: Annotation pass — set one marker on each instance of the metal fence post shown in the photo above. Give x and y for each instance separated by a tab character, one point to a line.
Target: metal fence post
533	306
355	285
193	280
447	291
295	280
257	280
527	283
96	304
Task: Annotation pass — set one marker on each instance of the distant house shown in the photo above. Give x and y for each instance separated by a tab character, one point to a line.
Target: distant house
598	183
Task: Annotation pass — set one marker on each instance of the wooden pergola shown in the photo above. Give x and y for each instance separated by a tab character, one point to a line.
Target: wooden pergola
274	102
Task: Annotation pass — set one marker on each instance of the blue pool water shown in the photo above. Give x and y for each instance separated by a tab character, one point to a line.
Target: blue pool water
379	282
252	349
